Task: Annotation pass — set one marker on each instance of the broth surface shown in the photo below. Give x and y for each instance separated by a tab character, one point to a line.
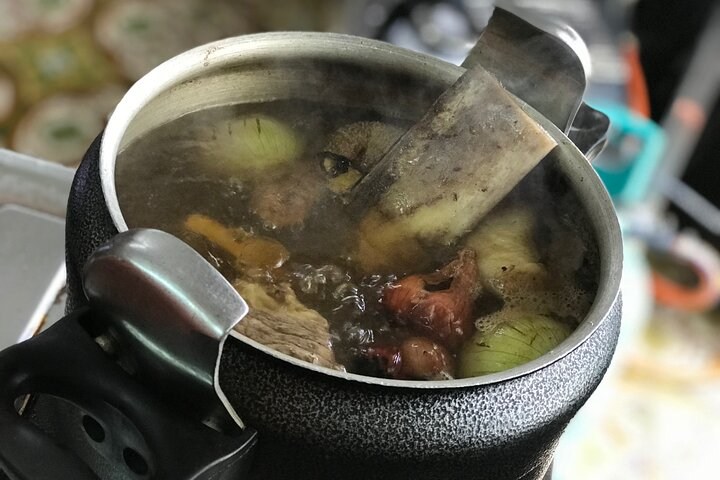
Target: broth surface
175	173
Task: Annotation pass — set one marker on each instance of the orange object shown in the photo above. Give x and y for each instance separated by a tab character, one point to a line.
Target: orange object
248	250
704	261
700	298
638	99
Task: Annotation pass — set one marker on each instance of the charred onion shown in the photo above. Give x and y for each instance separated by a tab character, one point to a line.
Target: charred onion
417	358
444	315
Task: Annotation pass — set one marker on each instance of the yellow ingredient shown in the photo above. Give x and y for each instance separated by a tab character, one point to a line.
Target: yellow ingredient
254	145
248	251
505	246
344	182
386	246
510	265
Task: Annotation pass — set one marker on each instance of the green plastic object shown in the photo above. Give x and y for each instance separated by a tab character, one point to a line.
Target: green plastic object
629	162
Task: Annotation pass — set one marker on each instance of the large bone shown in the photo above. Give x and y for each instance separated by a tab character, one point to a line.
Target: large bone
445	173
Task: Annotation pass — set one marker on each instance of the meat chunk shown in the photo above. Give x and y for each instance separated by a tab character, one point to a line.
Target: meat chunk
279	321
288	200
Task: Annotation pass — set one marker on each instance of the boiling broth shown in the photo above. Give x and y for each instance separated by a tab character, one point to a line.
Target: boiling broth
172	173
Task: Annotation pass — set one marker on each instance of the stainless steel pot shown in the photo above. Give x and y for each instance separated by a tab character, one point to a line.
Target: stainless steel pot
314	422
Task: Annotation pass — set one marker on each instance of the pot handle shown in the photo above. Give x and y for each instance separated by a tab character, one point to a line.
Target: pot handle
589	131
119	423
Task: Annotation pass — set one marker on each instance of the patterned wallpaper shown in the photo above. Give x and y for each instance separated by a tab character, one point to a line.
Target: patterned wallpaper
64	64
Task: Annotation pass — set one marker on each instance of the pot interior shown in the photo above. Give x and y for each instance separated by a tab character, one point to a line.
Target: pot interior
354	73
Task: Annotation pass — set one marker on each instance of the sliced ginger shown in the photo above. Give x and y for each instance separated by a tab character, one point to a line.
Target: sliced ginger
247	250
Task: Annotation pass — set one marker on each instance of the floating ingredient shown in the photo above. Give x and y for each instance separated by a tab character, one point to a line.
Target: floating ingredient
506	250
524	275
453	166
248	251
255	145
504	242
278	320
444	314
286	201
520	338
417	358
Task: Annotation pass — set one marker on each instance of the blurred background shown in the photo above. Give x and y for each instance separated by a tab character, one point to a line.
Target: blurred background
655	72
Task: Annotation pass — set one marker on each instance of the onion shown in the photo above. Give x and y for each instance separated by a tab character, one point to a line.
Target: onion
255	144
520	338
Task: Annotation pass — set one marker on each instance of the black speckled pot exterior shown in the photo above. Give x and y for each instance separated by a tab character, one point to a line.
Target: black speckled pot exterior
315	426
87	225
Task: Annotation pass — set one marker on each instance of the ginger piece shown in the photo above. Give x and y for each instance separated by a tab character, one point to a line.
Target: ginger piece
248	251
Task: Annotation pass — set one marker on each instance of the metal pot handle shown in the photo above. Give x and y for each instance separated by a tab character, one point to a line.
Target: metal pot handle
66	362
169	312
544	63
589	131
161	314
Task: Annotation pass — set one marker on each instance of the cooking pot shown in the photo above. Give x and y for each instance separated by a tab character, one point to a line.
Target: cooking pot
313	422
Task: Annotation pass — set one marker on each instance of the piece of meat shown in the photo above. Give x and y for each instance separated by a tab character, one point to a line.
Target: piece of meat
444	315
279	321
286	201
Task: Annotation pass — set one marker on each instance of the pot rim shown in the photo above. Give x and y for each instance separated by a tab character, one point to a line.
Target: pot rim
348	48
